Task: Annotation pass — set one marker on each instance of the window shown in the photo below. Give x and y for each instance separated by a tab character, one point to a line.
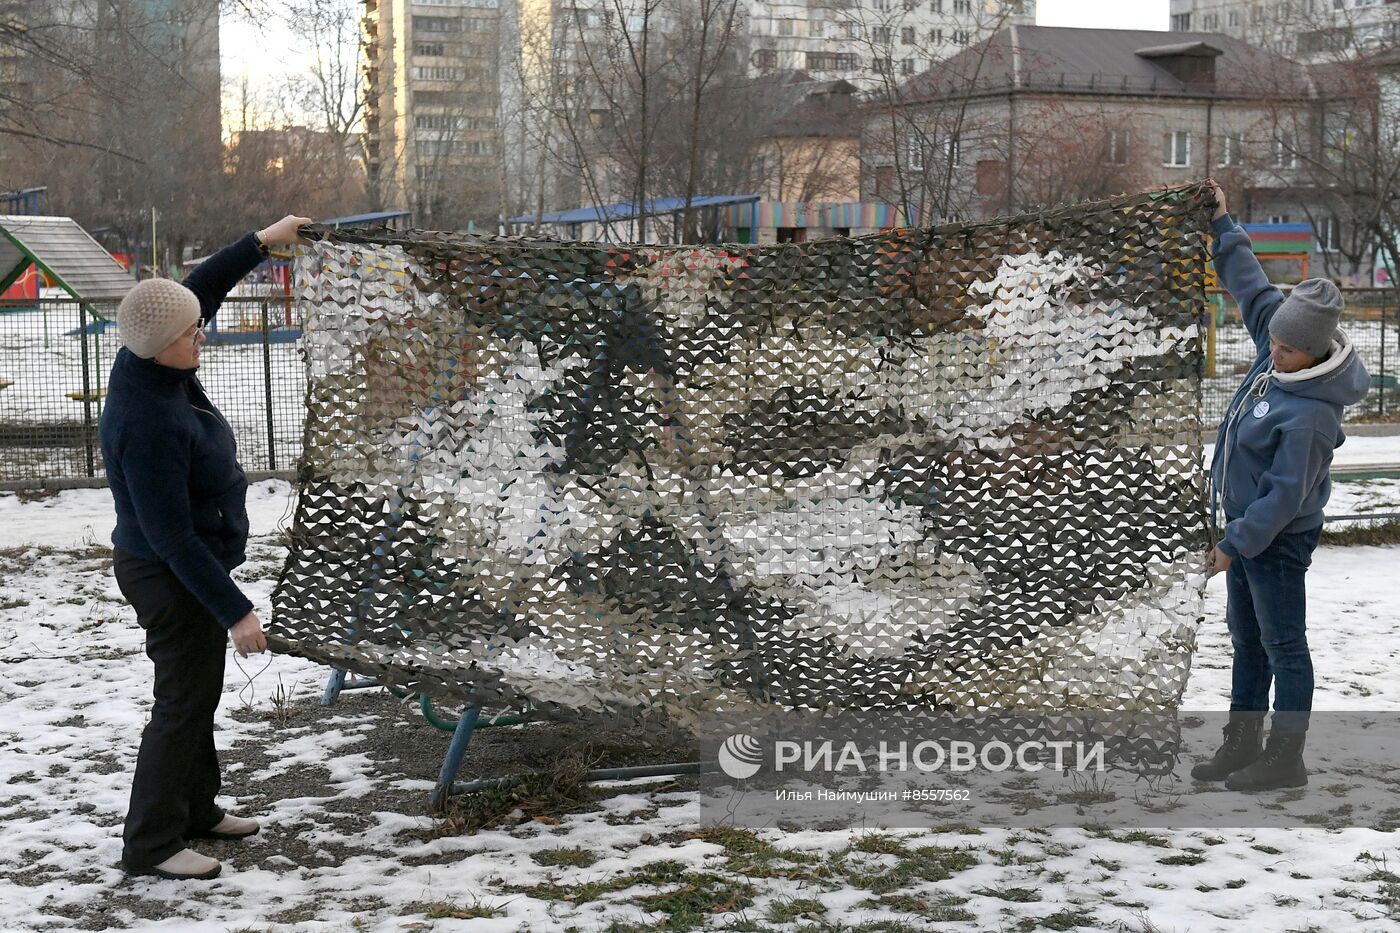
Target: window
907	66
906	35
438	121
1181	22
1285	155
850	30
935	36
785	27
962	36
438	73
434	147
883	6
479	147
880	35
883	66
1341	138
1210	22
962	7
1176	149
437	24
1329	234
1278	218
1231	149
429	48
1232	18
832	61
952	150
913	155
424	172
765	59
1115	148
937	6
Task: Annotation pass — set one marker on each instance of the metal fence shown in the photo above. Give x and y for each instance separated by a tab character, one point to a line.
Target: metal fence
55	356
1371	321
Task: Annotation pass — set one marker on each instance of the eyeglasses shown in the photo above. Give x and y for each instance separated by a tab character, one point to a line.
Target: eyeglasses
199	331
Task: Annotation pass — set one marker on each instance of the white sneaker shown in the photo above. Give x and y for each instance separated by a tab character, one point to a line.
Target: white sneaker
187	865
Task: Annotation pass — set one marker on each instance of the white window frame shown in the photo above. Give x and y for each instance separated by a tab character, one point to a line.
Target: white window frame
1179	155
1119	144
1329	234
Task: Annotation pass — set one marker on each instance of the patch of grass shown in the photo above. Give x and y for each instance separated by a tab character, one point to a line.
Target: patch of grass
1015	895
1185	858
538	794
1060	920
880	844
447	910
1267	850
944	908
572	857
1138	835
787	911
1106	864
13	603
1235	884
696	897
749	856
927	863
1368	533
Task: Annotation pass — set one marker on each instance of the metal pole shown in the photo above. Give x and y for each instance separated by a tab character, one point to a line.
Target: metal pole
267	389
452	763
87	392
1381	401
597	774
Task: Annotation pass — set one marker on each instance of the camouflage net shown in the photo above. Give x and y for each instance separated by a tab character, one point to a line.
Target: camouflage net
955	467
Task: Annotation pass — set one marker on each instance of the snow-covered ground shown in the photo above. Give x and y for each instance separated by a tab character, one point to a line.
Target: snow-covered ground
347	844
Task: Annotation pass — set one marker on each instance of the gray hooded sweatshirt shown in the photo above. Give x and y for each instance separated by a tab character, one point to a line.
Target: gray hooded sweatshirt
1274	448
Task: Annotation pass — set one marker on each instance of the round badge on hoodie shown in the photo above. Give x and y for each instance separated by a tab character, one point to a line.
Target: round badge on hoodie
1261	409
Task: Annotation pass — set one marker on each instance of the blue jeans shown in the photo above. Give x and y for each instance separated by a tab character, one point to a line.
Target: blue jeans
1266	611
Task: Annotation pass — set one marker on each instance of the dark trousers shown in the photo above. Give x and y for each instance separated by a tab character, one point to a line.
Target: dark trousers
1266	610
177	769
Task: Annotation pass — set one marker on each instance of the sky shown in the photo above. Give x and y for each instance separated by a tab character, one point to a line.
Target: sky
265	53
1103	14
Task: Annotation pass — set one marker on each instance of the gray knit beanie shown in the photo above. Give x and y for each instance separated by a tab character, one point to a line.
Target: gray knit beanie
154	314
1307	319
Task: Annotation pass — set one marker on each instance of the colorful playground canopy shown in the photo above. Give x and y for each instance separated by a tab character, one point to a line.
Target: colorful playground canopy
65	252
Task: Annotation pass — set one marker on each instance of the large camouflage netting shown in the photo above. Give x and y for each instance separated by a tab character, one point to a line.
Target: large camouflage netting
953	468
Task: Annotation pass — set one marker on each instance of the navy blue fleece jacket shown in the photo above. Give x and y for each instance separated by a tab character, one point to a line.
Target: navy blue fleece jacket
172	462
1274	449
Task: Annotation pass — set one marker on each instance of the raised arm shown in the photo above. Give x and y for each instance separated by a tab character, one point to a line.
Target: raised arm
1241	273
214	278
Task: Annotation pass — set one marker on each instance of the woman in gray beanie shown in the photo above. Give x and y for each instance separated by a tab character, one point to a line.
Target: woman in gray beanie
1270	477
182	526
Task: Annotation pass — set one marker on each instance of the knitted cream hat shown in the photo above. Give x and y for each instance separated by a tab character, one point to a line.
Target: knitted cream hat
154	314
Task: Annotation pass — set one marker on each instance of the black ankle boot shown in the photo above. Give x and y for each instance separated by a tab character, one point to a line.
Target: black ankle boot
1281	765
1243	743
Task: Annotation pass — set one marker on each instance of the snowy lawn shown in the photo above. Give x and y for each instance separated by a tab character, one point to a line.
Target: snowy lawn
347	844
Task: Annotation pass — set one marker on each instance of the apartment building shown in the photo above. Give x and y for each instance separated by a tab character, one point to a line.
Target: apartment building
1310	30
433	98
866	42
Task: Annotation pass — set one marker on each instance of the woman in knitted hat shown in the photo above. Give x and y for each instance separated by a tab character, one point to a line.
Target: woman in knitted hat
1270	477
181	527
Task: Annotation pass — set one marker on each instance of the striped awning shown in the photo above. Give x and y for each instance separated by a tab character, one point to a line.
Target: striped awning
1280	239
828	214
